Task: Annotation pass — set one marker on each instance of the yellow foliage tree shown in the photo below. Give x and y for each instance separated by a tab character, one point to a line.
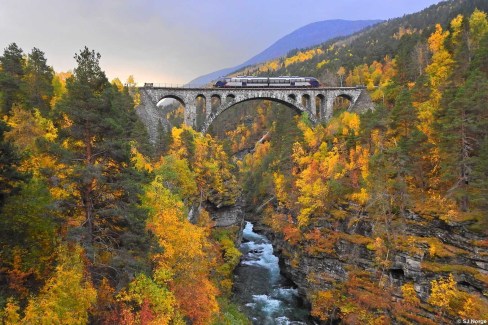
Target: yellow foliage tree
162	303
67	296
438	71
185	261
303	56
409	294
27	128
329	168
478	27
443	291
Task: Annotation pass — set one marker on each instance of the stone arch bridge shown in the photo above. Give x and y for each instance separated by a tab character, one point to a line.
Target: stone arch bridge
317	102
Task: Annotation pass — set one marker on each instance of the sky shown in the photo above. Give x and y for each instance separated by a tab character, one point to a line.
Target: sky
172	41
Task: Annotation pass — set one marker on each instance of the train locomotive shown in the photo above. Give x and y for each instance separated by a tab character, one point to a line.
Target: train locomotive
259	82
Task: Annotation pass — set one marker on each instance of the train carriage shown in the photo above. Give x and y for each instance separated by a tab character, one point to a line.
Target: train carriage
258	82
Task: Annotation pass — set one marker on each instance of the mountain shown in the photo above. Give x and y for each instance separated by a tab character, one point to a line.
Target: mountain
393	38
307	36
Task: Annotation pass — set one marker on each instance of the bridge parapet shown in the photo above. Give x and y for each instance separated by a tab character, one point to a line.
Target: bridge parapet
317	102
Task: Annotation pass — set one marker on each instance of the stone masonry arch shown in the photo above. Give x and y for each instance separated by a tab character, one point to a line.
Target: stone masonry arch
227	106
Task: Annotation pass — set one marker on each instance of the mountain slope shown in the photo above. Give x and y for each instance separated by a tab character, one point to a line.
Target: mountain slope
374	44
303	37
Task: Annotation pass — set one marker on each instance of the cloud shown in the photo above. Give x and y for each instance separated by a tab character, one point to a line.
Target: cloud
171	40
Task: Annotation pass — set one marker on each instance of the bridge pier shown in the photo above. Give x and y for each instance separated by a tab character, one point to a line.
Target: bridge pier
313	109
190	114
329	108
208	107
317	102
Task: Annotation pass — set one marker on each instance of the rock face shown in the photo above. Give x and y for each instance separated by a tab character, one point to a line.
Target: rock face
439	249
228	216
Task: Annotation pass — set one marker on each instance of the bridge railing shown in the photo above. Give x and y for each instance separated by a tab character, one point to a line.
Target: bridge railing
173	85
209	86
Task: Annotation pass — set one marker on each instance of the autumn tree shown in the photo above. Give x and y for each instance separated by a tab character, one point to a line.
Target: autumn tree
29	233
341	73
185	260
67	296
146	301
478	28
207	158
438	71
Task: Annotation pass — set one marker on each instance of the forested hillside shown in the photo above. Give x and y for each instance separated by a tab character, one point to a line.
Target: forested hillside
94	220
379	218
382	217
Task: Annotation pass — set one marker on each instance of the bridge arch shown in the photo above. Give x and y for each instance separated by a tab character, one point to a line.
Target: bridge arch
215	102
343	101
320	102
230	98
200	96
212	116
201	109
346	96
171	96
306	102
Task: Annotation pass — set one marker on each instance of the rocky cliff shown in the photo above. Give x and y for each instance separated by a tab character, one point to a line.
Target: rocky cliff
429	249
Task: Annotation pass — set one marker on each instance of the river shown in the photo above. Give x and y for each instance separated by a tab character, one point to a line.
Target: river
263	293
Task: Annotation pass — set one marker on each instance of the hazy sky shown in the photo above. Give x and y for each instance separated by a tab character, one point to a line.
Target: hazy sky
172	41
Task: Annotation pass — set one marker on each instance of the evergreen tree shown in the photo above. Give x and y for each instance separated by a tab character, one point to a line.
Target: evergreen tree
10	177
11	75
403	116
479	73
38	81
462	128
96	141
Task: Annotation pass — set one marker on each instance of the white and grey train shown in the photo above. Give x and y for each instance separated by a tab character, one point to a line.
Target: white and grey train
282	81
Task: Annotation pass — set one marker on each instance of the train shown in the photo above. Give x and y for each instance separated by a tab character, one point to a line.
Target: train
258	82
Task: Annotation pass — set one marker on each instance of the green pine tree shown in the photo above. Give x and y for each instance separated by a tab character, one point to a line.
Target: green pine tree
11	74
97	145
38	81
462	127
10	177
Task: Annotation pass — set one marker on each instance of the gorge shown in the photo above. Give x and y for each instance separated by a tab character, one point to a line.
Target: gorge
292	207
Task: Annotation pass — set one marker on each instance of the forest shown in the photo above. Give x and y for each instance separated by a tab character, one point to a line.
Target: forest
100	226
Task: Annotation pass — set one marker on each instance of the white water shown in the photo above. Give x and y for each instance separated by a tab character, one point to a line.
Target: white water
266	296
259	252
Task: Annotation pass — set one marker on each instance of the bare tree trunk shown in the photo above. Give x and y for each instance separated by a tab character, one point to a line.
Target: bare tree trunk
464	175
87	192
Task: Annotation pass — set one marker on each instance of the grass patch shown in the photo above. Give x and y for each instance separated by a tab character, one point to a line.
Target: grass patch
455	268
